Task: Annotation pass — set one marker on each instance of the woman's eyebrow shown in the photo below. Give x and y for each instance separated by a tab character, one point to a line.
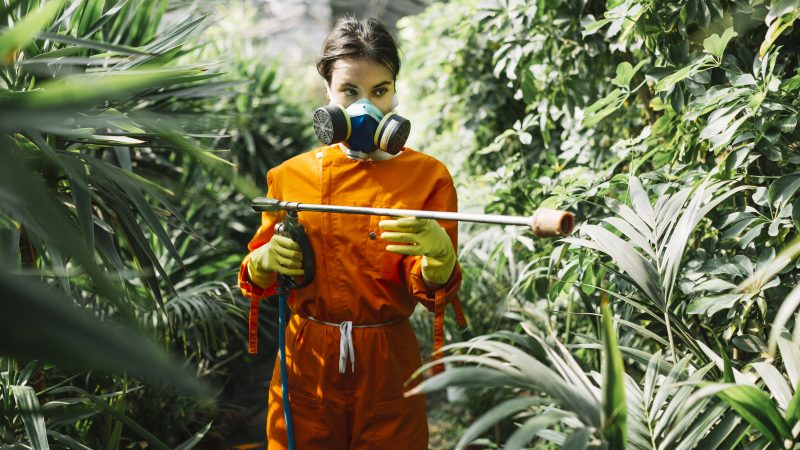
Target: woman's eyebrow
381	84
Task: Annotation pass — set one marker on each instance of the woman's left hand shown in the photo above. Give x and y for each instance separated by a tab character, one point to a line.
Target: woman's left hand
423	237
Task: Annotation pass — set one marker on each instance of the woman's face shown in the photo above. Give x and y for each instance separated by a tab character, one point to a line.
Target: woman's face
352	79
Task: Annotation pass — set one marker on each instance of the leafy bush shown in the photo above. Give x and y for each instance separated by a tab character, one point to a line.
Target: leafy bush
108	189
670	129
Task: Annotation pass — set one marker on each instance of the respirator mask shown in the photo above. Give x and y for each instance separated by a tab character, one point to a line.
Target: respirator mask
362	126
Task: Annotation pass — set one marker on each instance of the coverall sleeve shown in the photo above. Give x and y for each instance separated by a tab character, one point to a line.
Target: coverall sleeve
443	199
263	235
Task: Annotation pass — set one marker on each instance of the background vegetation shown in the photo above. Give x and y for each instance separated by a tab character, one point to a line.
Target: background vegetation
670	128
133	132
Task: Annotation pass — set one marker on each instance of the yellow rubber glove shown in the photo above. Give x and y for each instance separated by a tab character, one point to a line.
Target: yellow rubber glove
280	254
427	238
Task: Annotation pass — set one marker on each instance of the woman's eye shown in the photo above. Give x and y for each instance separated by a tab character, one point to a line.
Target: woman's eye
350	92
381	91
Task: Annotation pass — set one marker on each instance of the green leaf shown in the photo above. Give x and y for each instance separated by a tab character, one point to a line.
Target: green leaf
628	259
195	439
641	202
699	65
520	438
25	30
38	107
494	415
749	343
28	406
783	189
595	26
625	73
577	440
793	409
614	406
776	28
782	316
713	304
792	84
790	354
754	406
775	382
715	44
125	419
605	106
780	8
727	369
89	43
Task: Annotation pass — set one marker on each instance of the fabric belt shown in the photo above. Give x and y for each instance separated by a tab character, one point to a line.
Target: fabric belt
346	349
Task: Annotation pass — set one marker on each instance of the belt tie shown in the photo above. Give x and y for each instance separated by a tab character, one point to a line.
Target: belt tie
346	345
346	348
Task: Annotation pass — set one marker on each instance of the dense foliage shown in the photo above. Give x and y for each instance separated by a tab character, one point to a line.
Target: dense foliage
123	226
670	129
667	321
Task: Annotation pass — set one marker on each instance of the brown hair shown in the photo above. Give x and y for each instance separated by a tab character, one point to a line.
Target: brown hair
354	38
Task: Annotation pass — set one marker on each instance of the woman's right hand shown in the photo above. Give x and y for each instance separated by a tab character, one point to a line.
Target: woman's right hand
280	254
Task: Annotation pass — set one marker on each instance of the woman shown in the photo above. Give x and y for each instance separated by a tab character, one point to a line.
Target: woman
350	346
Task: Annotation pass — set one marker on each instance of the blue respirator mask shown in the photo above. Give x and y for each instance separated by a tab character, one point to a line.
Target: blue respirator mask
362	126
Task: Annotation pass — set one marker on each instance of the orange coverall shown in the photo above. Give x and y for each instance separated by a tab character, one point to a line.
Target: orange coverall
357	280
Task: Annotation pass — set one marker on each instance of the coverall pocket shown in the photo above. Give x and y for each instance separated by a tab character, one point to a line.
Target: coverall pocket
377	259
398	423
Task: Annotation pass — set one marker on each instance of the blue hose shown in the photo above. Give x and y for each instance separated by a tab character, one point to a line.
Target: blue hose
287	413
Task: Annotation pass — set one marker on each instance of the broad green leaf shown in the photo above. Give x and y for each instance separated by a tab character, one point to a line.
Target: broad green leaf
715	44
625	73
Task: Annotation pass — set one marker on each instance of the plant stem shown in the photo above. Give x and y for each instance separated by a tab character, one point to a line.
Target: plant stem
669	334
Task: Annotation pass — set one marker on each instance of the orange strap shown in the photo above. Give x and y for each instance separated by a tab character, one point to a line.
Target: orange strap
252	326
440	305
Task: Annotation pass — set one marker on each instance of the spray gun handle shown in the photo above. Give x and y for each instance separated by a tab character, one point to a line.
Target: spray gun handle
294	230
